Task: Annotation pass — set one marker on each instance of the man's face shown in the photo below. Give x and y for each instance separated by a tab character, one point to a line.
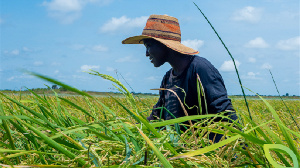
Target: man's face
156	51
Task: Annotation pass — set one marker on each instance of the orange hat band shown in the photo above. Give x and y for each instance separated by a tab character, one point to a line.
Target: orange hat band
162	28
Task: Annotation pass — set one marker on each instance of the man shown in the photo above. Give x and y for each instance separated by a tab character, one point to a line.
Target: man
162	39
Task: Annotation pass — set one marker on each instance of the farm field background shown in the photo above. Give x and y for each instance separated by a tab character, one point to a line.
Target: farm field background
78	130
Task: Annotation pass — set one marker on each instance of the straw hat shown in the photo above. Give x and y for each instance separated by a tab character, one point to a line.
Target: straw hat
164	29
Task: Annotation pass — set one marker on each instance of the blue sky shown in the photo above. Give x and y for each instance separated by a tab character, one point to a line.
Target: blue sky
63	38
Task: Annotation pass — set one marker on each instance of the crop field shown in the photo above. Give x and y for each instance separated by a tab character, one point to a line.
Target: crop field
89	131
85	130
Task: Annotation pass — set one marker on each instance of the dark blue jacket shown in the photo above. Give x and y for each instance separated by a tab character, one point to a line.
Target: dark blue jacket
185	86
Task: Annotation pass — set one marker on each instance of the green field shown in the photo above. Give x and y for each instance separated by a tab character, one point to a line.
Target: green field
81	130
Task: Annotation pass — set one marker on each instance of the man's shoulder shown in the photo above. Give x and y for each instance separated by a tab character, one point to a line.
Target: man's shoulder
200	62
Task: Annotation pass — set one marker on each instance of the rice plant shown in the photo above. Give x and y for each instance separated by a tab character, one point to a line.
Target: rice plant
88	131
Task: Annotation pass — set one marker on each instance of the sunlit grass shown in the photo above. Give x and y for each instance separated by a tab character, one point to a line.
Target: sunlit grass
54	130
90	131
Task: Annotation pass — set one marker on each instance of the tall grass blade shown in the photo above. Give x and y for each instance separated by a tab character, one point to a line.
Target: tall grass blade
283	101
77	107
236	70
53	144
151	128
214	146
283	130
160	156
8	133
267	148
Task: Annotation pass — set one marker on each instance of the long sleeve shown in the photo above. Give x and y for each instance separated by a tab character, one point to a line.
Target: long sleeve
214	87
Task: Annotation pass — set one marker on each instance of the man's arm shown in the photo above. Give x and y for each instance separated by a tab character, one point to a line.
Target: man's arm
214	87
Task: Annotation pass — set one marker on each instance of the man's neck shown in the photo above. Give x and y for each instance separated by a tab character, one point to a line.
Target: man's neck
179	62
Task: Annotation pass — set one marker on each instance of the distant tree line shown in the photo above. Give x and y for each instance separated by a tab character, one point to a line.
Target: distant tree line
62	89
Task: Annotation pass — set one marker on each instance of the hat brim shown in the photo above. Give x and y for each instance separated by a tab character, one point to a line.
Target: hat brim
174	45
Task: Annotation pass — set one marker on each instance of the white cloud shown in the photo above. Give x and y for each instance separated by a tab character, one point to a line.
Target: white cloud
88	67
249	14
38	63
11	78
99	48
123	23
153	78
194	44
258	42
19	77
251	60
110	69
56	71
266	66
289	44
81	77
67	11
228	66
127	59
15	52
26	49
63	5
55	63
251	75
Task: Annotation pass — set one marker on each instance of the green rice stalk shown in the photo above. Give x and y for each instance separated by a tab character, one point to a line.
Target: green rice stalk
59	110
39	97
52	143
77	107
80	122
283	130
149	108
127	150
214	146
283	101
30	110
160	156
66	87
29	166
11	141
92	109
6	160
30	137
236	70
46	113
131	136
293	132
200	91
73	141
110	78
16	155
186	118
269	141
184	110
267	148
247	136
152	129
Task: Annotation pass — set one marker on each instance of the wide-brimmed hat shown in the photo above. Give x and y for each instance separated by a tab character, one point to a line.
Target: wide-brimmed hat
164	29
